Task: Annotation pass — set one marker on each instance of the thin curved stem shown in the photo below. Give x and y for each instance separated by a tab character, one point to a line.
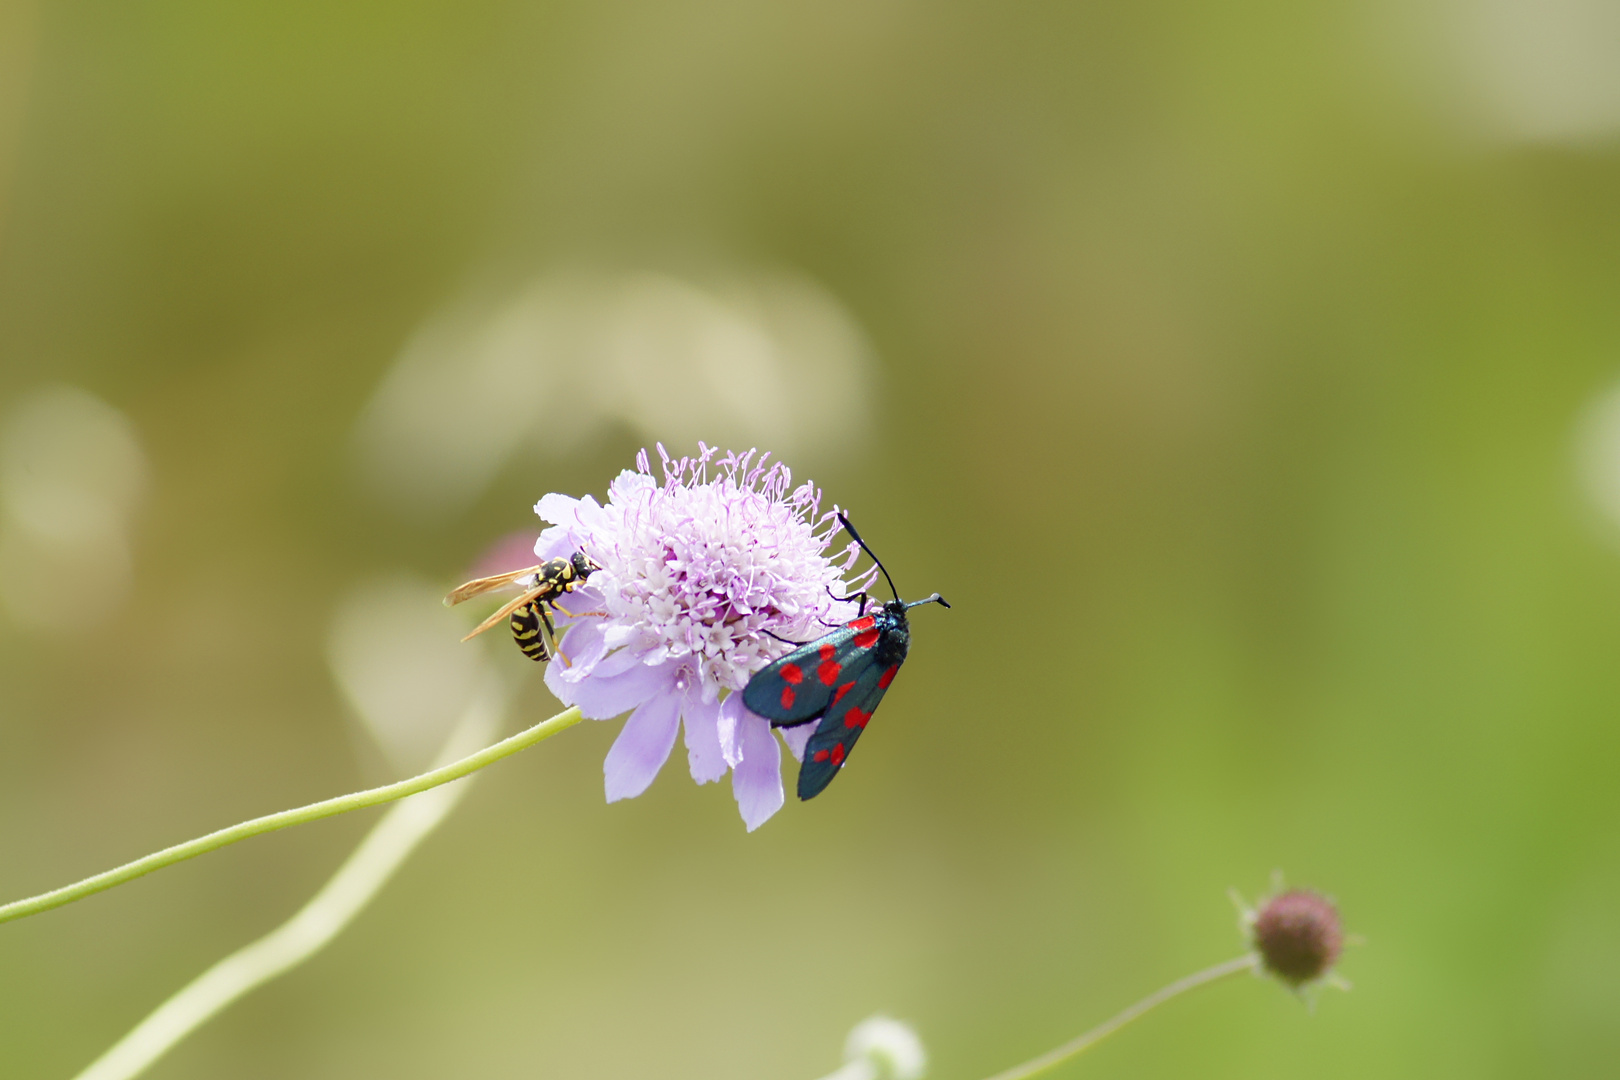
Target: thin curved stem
1081	1044
342	804
385	848
859	1069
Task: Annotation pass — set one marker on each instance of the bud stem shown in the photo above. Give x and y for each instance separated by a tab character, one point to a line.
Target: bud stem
1079	1045
342	804
859	1069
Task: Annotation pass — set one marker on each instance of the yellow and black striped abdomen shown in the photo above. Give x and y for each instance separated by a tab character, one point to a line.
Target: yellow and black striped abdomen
526	631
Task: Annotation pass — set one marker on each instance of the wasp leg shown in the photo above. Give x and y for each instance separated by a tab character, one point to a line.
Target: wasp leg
579	614
572	615
548	634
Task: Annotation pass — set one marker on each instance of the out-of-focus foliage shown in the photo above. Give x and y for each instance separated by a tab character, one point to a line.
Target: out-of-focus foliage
1243	374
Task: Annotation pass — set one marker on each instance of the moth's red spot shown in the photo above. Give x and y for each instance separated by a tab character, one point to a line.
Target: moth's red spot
821	755
787	697
826	652
828	672
793	673
838	754
855	718
865	622
866	639
887	677
842	690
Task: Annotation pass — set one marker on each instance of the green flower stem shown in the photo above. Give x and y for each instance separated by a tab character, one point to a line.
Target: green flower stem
359	800
1079	1045
859	1069
385	848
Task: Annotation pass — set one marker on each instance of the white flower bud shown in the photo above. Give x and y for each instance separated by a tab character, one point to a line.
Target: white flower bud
891	1047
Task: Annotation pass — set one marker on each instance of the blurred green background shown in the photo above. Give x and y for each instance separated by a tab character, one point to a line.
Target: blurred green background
1238	372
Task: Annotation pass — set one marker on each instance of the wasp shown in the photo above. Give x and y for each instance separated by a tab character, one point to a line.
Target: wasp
530	613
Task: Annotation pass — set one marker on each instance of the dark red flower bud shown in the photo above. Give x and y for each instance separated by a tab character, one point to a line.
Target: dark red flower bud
1298	936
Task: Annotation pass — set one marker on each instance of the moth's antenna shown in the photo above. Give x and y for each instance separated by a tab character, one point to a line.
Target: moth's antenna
851	530
935	599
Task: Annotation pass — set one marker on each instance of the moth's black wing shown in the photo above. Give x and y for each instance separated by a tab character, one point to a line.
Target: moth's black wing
854	701
798	687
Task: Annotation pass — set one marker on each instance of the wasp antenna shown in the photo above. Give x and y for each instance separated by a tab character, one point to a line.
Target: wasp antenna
935	599
851	530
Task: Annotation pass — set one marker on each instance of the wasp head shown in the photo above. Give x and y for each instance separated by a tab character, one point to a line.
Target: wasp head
583	565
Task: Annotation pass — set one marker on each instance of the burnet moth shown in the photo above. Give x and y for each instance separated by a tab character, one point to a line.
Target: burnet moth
838	679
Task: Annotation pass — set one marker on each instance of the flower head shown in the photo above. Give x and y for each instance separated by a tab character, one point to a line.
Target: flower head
1297	935
885	1050
698	571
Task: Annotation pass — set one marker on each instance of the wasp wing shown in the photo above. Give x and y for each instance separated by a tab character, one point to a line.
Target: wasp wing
853	703
479	586
509	607
798	687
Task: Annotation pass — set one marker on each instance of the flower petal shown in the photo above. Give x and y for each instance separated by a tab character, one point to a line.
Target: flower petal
557	542
729	728
582	643
621	634
573	521
703	754
564	680
641	748
757	781
625	486
616	663
601	697
797	737
567	511
556	508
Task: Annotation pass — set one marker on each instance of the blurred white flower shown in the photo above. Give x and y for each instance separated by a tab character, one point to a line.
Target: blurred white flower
883	1049
767	359
71	478
1550	69
396	652
1598	450
1518	71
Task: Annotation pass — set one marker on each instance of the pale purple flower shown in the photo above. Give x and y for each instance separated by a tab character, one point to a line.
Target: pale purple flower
694	570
